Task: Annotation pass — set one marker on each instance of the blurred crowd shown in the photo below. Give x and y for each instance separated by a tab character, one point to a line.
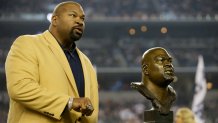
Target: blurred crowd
139	9
127	52
124	111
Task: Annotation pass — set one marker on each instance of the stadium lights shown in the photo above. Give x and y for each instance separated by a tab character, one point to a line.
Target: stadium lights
163	30
132	31
49	15
144	28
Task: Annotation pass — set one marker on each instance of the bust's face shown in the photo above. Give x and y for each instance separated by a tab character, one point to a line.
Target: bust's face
159	67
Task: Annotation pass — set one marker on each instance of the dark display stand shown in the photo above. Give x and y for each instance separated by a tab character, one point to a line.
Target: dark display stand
153	116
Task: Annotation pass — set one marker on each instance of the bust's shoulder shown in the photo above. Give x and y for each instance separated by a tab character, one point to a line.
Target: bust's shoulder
170	89
171	92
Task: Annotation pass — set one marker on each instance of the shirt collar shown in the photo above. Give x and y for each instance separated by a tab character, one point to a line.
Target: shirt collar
72	48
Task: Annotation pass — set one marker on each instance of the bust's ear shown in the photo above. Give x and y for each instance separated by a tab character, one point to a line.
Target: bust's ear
145	69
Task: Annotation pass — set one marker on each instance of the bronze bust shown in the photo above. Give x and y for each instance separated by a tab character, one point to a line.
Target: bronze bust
157	74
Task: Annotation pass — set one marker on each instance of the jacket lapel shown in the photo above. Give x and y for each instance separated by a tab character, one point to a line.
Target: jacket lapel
85	73
59	54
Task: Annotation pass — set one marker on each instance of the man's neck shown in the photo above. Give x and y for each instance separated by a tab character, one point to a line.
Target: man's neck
157	91
65	44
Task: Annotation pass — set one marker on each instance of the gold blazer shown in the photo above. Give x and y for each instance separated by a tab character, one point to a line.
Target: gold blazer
40	82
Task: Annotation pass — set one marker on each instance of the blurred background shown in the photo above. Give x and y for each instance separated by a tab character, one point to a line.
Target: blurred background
117	34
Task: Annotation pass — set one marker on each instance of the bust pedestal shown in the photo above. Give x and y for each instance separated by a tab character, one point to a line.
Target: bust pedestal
153	116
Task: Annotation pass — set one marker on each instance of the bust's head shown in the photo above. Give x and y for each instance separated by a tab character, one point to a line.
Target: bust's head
157	67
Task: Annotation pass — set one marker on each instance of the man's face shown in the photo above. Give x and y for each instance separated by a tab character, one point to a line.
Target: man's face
160	68
70	22
178	119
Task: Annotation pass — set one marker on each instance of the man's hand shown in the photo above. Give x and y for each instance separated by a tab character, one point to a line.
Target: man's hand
83	105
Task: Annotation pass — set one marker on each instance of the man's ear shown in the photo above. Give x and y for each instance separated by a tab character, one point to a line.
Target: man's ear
54	20
145	69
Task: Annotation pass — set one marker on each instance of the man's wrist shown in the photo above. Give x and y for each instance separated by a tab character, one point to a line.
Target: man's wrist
70	103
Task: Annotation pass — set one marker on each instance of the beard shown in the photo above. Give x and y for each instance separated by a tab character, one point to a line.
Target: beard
168	74
75	35
168	78
162	80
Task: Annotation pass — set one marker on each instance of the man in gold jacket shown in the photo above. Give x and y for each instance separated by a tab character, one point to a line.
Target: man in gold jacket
49	80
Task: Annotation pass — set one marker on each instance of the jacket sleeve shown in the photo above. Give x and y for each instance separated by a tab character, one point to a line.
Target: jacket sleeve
23	80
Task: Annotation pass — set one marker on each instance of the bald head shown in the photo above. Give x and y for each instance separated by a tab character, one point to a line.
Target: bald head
60	8
149	54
